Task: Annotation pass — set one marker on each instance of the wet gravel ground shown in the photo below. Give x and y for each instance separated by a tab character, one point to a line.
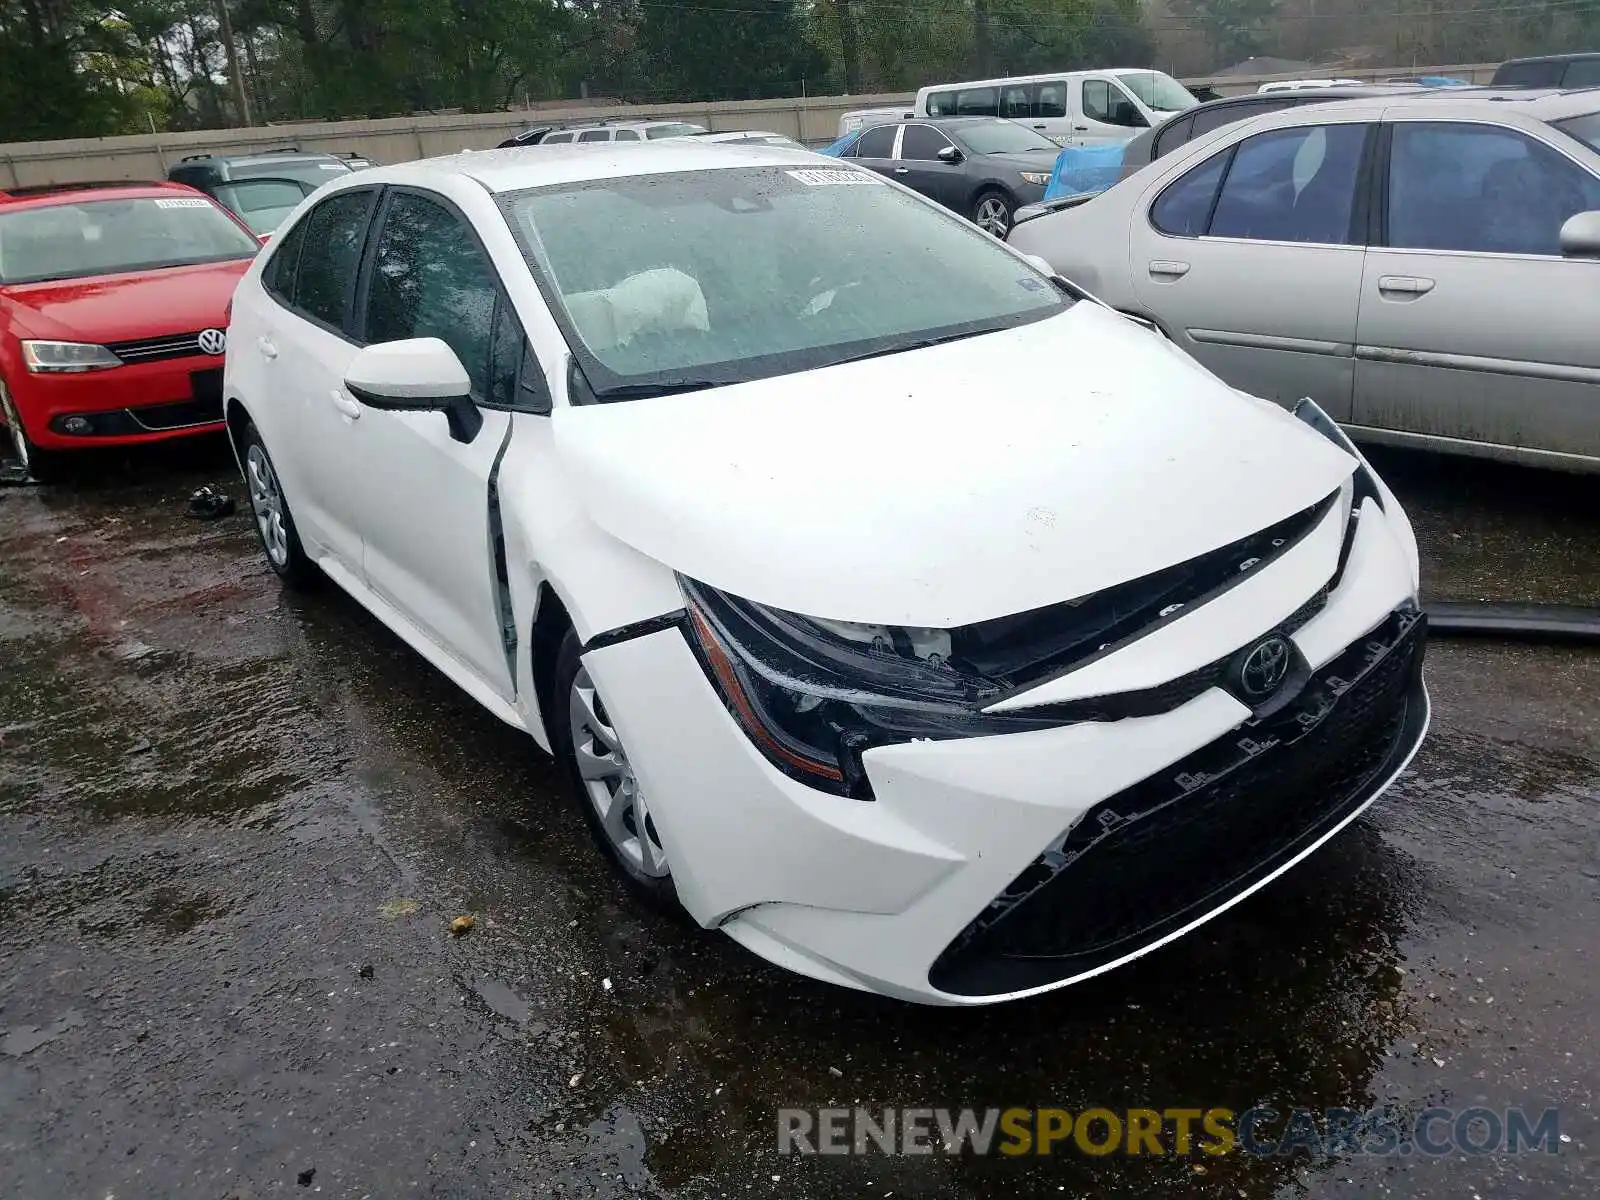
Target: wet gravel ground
235	826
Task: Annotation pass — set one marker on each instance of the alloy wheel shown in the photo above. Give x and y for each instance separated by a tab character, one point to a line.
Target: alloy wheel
992	217
266	502
610	783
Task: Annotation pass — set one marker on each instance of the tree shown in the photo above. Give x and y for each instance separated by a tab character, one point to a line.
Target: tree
727	49
1235	29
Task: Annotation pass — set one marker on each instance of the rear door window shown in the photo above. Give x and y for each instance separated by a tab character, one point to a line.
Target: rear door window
877	142
1292	185
976	102
1184	208
595	135
627	135
326	279
1584	73
1050	99
557	137
941	104
1172	135
1016	103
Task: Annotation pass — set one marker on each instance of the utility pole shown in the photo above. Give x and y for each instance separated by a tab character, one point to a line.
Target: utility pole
240	96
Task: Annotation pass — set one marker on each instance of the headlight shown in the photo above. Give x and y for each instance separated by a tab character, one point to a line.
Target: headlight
66	357
1037	178
813	694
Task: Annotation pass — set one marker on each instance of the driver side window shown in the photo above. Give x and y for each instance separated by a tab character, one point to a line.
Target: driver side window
1103	101
429	278
922	142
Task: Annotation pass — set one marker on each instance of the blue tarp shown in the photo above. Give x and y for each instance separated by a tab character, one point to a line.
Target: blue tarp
835	149
1081	169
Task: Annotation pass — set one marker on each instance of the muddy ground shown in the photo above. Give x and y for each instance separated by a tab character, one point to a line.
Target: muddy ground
235	825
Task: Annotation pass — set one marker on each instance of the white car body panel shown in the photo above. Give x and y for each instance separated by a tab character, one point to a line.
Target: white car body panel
933	487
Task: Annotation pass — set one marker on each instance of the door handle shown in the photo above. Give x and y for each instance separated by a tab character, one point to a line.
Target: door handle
347	406
1404	285
1040	125
268	350
1161	268
902	170
1081	128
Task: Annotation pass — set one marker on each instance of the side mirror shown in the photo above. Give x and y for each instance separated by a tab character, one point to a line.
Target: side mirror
416	375
950	154
1042	263
1580	236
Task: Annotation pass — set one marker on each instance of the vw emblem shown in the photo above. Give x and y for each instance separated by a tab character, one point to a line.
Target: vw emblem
212	341
1264	668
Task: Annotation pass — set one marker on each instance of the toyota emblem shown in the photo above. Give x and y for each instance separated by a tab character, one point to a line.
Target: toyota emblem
212	341
1264	668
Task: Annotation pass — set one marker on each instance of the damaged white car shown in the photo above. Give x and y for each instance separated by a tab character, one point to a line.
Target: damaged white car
901	611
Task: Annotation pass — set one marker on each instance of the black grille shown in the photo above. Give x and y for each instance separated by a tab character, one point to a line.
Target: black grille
1164	697
178	416
1161	853
143	350
1029	648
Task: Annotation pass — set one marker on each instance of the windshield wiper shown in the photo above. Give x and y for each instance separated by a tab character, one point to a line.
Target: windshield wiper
666	387
902	347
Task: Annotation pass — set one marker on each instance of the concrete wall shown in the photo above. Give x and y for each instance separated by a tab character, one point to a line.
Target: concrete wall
814	119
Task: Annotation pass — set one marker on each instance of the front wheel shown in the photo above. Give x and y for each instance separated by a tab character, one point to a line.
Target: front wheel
615	808
32	463
274	521
992	214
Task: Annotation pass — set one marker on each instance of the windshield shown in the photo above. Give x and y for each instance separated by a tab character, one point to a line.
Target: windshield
1001	137
104	237
832	264
1585	128
1157	91
262	203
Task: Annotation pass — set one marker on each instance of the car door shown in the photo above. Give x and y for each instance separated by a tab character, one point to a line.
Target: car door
918	166
305	348
430	543
1106	114
1050	109
1251	259
1472	325
875	149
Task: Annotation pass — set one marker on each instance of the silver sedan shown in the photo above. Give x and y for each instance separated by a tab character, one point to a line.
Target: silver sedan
1427	267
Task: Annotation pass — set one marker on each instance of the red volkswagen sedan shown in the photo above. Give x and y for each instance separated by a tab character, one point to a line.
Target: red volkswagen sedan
113	314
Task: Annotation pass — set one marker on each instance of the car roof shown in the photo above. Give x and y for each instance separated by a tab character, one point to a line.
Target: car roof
513	169
43	196
262	156
1541	104
1576	56
1046	77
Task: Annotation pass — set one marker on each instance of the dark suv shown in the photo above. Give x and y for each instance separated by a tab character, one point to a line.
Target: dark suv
263	188
1550	70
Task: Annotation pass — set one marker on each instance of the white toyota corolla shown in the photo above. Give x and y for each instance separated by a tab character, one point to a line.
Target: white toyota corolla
905	613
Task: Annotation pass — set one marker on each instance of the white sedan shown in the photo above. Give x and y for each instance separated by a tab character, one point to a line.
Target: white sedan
911	617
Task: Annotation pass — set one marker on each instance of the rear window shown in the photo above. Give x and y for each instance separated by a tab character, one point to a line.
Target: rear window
674	129
1581	74
313	171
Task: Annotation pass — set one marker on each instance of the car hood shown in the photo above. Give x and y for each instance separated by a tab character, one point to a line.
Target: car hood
950	484
115	308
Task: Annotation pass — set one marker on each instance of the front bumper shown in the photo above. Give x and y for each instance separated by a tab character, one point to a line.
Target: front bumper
995	867
138	402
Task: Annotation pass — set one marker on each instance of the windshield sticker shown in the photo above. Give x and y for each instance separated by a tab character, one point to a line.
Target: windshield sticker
813	177
195	203
1032	284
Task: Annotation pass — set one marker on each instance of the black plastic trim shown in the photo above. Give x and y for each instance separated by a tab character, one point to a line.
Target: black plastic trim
636	629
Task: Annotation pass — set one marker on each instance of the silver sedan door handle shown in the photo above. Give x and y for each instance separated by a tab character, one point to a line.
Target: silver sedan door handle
902	170
346	405
268	350
1162	268
1404	285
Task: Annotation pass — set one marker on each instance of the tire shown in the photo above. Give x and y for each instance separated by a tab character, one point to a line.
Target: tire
991	212
29	463
609	798
269	509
